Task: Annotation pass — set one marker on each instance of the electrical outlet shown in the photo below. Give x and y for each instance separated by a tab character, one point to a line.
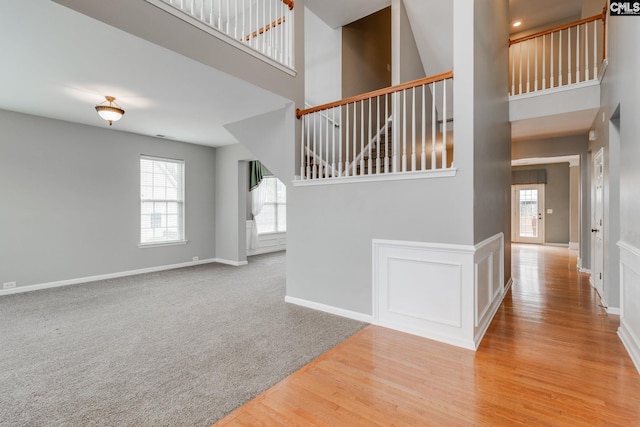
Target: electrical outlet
8	285
195	258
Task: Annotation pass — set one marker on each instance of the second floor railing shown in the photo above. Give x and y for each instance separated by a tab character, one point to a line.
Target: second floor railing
397	130
265	26
557	57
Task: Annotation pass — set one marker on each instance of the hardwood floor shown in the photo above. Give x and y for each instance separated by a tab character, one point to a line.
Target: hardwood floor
551	357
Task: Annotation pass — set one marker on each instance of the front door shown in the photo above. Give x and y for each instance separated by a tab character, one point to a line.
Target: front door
528	213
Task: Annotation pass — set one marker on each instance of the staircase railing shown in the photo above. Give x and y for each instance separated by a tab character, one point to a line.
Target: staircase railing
557	57
395	130
265	26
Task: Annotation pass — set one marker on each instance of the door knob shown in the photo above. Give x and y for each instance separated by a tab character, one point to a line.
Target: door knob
594	230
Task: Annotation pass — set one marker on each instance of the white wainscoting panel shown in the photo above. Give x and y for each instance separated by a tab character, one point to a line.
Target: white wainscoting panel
489	283
425	289
629	331
448	293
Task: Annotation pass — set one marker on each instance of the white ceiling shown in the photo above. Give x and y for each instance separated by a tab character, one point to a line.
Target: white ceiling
538	13
574	123
58	63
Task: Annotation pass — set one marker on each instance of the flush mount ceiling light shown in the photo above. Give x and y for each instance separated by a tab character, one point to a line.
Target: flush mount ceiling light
112	112
517	23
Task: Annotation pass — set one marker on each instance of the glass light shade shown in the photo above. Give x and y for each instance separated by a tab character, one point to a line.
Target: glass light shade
109	112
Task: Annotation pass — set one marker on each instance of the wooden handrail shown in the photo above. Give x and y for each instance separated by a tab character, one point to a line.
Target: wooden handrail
289	3
264	29
602	16
376	93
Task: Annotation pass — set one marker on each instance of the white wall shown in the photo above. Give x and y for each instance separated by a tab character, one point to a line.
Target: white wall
323	60
71	201
620	94
231	202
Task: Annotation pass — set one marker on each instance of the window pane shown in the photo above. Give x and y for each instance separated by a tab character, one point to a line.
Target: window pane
282	218
161	220
266	219
282	192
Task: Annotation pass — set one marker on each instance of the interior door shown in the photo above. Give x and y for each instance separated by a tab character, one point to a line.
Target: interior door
597	227
528	213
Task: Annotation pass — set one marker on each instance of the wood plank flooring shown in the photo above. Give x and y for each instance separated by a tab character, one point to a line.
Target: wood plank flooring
551	357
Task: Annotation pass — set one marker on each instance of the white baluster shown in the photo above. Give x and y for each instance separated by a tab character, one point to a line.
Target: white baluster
228	17
333	142
220	15
302	142
235	26
306	148
326	151
528	65
270	36
586	52
413	129
347	132
423	156
551	69
202	11
211	15
520	77
578	54
378	135
513	70
535	84
369	141
182	4
595	49
244	16
319	154
568	58
315	137
433	125
340	143
355	138
395	131
362	136
387	156
404	130
191	8
264	35
444	124
544	63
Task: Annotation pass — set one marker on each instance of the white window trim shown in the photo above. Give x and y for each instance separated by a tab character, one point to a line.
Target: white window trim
276	204
183	241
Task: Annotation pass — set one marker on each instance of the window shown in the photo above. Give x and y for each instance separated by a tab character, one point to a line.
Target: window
273	216
161	200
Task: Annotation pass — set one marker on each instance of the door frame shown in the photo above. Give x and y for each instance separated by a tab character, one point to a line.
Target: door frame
515	217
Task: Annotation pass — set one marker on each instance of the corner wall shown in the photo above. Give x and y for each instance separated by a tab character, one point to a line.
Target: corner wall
71	201
620	103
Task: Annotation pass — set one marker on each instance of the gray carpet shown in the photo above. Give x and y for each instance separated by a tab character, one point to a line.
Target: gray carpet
177	348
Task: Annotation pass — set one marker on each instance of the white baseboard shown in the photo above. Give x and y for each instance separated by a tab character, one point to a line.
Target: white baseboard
330	309
49	285
574	246
561	245
631	343
229	262
613	310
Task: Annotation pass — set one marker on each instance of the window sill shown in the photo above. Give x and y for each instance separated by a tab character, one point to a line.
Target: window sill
157	244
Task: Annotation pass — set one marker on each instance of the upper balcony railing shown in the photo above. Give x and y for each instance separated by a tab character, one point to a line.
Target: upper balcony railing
392	132
561	56
264	26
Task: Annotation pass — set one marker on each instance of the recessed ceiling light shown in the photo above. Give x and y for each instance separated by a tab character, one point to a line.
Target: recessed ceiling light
517	23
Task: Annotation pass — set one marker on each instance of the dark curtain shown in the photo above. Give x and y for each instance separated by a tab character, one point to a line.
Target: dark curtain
256	171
